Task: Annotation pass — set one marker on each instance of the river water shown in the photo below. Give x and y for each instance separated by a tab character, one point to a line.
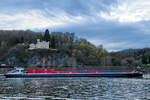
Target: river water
75	88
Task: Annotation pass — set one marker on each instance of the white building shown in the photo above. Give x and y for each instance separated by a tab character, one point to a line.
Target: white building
32	46
39	45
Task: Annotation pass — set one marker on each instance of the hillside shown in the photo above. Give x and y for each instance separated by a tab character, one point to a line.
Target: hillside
70	51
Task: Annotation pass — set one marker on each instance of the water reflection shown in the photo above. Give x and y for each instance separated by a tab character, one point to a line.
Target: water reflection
74	88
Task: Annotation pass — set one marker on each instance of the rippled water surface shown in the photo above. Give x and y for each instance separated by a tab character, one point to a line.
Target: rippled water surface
74	88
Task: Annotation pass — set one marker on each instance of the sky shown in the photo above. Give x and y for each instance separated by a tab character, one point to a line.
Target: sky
116	24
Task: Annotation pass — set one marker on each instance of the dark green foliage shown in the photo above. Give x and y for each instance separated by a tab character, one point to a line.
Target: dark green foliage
46	35
52	42
132	56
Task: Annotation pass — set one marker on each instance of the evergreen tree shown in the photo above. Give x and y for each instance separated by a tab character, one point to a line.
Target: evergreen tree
53	44
46	35
22	39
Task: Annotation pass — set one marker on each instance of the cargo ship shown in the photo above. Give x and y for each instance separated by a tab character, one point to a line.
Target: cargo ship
49	72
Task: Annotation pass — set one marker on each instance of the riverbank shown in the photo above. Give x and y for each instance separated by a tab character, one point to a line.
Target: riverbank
145	70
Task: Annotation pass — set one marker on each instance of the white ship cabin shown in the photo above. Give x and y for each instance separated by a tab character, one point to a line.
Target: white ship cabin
18	70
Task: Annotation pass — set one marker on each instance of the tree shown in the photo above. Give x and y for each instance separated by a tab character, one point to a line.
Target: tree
53	44
46	35
22	39
3	44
